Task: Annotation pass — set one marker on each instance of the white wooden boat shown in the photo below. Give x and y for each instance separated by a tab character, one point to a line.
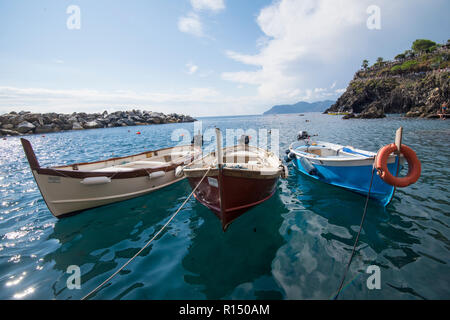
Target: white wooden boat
70	189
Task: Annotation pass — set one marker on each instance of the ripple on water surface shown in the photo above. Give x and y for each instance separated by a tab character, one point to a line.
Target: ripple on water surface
294	246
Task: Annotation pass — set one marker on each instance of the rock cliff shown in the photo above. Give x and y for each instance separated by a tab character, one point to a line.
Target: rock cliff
416	85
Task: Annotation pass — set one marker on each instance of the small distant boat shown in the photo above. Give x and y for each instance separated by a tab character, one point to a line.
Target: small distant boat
239	178
68	190
342	166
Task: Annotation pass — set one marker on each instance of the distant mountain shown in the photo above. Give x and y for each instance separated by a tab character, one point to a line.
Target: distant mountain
300	107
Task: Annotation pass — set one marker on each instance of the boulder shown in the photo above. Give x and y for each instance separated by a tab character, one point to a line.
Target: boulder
47	119
413	114
349	116
67	126
34	117
129	122
432	116
8	126
15	120
154	120
156	115
46	128
92	125
7	132
25	127
77	126
26	122
374	111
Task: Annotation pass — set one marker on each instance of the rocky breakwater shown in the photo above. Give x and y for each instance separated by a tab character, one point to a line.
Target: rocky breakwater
26	122
416	84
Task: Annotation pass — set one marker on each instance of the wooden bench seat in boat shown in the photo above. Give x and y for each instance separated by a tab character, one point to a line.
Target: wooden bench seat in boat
133	165
114	169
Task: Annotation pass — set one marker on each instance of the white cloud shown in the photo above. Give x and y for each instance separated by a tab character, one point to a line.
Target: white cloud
191	68
318	90
213	5
299	34
194	101
191	24
52	100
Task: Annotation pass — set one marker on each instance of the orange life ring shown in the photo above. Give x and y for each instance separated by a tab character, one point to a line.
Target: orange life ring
414	166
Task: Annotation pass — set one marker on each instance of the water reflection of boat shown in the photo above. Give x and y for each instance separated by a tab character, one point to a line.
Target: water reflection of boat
106	226
68	190
218	262
385	228
100	239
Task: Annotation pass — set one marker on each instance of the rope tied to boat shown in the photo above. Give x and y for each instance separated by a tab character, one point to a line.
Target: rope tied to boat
357	236
362	222
149	242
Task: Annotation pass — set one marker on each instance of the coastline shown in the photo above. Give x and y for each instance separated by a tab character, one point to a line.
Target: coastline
26	123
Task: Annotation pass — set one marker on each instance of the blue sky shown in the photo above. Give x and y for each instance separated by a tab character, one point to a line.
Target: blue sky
197	57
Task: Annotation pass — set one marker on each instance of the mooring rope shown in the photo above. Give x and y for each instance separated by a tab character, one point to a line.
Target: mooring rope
362	222
149	242
357	236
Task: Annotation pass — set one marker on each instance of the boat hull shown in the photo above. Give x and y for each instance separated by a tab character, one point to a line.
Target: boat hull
67	196
355	177
237	194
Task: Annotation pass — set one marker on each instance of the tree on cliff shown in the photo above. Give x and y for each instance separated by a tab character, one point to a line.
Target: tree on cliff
379	62
409	54
365	64
400	57
423	45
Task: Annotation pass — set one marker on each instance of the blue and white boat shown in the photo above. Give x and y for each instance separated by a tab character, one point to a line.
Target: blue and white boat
342	166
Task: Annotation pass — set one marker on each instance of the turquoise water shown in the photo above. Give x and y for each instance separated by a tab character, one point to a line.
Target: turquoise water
294	246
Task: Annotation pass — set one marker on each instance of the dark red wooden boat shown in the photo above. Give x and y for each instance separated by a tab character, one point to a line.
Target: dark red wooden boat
239	178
